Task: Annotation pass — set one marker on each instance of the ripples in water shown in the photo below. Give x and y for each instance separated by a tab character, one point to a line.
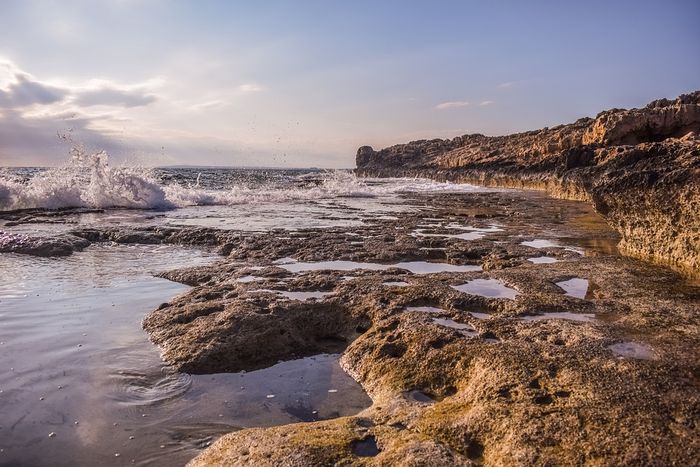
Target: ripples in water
138	387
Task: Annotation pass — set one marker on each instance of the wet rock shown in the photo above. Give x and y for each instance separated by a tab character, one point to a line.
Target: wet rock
547	391
61	245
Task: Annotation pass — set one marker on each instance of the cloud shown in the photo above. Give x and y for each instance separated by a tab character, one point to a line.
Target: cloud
451	105
250	87
33	111
111	95
507	84
485	103
24	91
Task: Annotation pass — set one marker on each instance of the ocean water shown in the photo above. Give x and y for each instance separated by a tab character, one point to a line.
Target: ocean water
248	199
80	383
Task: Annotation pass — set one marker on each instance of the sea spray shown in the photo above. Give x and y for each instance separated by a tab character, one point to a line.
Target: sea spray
88	180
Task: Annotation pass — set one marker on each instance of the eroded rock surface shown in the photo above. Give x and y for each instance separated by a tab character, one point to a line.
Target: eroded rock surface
639	167
455	378
35	245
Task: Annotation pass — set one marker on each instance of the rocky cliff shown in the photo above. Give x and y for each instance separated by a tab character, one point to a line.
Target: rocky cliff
639	167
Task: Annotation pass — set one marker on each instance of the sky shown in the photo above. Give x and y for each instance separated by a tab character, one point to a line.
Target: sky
304	83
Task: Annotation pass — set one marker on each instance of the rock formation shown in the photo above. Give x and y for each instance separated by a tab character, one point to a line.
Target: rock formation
608	377
640	168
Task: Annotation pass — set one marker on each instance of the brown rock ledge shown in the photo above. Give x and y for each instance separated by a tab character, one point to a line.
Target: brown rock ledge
640	168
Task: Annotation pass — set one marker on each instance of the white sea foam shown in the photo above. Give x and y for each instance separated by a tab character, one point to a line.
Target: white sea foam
87	181
90	181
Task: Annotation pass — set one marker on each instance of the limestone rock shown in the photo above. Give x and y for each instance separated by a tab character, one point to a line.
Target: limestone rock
639	167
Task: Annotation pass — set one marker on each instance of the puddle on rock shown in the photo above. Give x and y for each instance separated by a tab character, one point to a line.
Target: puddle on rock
543	260
285	260
416	267
479	315
576	287
249	278
565	315
426	309
464	329
492	288
419	396
472	233
540	243
633	350
296	295
366	447
395	284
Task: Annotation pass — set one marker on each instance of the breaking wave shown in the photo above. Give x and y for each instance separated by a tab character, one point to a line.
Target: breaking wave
89	181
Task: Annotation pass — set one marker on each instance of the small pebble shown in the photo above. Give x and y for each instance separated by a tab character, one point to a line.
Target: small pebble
52	434
270	396
332	390
41	398
75	422
116	454
131	437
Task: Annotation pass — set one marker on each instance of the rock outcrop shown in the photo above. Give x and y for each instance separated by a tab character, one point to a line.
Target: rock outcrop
640	168
608	376
47	246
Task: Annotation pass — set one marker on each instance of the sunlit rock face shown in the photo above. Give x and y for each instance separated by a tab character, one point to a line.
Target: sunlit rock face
639	167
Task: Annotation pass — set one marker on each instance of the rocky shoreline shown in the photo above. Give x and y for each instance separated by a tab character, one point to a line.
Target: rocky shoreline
489	328
640	169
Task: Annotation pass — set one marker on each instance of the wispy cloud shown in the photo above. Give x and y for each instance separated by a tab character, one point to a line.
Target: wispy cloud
451	105
24	91
250	88
508	84
485	103
114	96
21	90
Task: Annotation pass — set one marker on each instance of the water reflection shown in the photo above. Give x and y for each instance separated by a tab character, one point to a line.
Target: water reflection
76	363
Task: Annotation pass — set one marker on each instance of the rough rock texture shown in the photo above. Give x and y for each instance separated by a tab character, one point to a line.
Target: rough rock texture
478	380
61	245
639	167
